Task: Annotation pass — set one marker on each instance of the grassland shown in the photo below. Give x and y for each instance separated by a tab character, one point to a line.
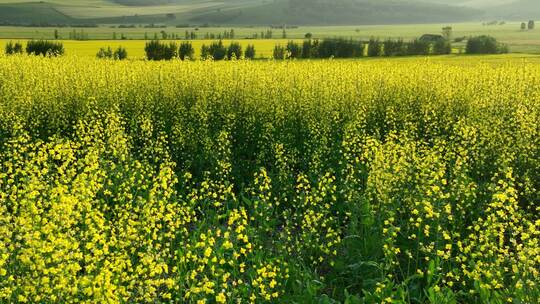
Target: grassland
519	41
412	180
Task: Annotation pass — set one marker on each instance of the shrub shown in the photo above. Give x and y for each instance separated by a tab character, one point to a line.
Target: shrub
156	50
503	48
250	52
186	50
120	53
44	48
14	48
234	51
105	53
484	45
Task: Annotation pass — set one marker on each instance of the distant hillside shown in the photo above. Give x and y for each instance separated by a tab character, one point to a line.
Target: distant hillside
502	9
472	3
144	2
339	12
237	12
521	9
32	13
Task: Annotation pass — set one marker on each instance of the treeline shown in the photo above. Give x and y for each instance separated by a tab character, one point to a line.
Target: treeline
398	47
157	50
349	48
73	35
485	45
338	48
36	47
326	48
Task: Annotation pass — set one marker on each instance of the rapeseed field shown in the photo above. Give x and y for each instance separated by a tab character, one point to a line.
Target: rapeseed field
325	181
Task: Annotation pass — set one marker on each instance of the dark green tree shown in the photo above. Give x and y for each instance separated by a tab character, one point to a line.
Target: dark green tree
394	47
44	48
308	49
205	51
418	47
120	53
250	52
293	50
217	50
156	50
485	45
105	53
374	47
234	51
441	47
14	48
279	52
186	50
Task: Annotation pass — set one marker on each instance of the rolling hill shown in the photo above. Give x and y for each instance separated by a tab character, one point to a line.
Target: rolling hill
502	9
521	9
340	12
238	12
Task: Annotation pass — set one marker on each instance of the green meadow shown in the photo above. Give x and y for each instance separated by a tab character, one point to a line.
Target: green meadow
510	33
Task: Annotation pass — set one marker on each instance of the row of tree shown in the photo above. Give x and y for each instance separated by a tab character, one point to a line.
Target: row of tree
36	47
398	47
343	48
327	48
485	45
188	35
348	48
157	50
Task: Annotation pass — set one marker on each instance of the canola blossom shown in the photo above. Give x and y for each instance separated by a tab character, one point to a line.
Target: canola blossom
377	181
